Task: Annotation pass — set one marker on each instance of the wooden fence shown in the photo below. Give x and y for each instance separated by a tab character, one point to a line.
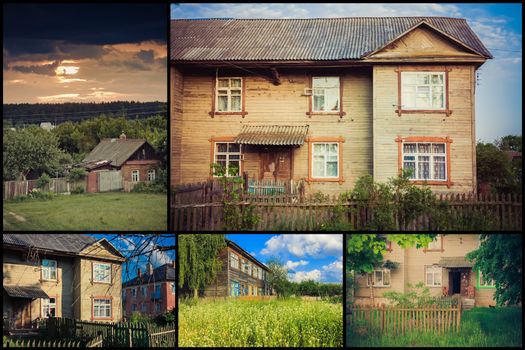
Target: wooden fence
113	334
310	213
32	343
400	320
14	189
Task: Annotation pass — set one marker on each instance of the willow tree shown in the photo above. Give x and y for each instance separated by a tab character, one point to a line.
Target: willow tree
198	263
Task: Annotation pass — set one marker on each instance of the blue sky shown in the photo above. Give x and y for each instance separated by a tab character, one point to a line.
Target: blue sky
499	26
307	256
133	242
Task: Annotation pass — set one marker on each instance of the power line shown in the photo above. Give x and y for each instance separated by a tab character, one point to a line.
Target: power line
92	111
491	48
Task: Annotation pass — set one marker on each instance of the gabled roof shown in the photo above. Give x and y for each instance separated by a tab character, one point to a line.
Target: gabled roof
162	273
60	242
303	39
238	248
115	150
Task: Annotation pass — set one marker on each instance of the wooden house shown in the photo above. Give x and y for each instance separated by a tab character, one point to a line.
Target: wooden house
442	267
62	275
325	101
152	292
134	158
241	274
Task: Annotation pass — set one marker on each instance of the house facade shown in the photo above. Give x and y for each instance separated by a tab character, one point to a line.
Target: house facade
134	158
241	274
150	293
325	101
442	267
62	275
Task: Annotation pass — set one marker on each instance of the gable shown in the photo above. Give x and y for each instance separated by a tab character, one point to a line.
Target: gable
423	41
102	250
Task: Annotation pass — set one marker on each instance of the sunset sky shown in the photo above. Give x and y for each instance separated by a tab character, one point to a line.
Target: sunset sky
84	52
498	25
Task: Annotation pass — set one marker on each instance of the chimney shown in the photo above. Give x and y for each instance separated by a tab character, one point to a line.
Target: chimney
122	136
138	272
149	268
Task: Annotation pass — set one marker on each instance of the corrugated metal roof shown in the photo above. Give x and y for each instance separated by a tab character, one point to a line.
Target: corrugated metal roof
283	135
25	292
62	242
459	261
301	39
240	249
115	150
162	273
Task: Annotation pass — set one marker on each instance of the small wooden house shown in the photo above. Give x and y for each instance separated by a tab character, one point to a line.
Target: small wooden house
241	274
61	275
325	101
442	267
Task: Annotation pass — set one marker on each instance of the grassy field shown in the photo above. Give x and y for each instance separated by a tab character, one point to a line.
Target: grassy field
89	211
480	327
234	323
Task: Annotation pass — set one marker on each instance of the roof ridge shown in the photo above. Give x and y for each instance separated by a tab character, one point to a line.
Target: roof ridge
308	19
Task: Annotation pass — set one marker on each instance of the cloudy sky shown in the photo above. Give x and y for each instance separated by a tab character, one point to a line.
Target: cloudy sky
84	52
498	104
316	257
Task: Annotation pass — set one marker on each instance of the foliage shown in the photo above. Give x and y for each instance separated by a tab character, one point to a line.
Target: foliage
78	190
137	317
165	318
510	143
278	278
77	174
40	195
499	258
42	181
494	167
31	150
150	187
277	323
419	296
198	263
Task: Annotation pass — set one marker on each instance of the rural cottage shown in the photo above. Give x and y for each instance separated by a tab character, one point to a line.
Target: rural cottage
325	101
441	266
120	163
62	275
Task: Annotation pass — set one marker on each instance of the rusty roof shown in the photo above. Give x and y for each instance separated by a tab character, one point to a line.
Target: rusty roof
25	292
458	261
276	135
302	39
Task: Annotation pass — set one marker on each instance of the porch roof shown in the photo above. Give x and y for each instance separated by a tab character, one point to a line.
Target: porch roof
458	261
275	135
25	292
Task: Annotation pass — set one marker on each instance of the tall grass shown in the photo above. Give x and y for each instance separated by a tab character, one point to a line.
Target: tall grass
480	327
275	323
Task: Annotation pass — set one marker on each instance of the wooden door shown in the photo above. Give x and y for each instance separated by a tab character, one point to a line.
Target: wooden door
22	313
465	281
276	165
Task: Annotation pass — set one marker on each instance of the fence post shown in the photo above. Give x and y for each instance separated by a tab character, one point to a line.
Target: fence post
129	337
383	317
459	315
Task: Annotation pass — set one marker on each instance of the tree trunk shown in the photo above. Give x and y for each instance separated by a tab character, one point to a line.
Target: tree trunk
372	290
195	293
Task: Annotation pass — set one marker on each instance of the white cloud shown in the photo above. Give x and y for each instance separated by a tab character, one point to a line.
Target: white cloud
305	276
292	265
307	245
334	271
253	254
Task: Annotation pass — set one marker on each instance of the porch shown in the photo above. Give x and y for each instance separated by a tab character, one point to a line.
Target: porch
461	280
18	316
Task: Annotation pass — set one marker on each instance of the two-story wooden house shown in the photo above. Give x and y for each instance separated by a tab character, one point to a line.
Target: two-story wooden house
62	275
152	292
325	101
241	274
442	267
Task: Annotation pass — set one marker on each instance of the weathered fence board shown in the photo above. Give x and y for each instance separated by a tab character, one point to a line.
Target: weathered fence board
13	189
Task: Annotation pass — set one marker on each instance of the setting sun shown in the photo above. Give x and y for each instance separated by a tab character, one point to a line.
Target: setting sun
66	70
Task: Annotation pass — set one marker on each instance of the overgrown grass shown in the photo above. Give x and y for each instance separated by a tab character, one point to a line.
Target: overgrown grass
89	211
276	323
480	327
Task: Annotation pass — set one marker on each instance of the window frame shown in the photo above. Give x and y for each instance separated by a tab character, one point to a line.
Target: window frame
151	174
373	275
227	140
341	113
142	289
434	267
431	157
46	302
133	173
47	268
93	272
320	140
423	69
93	302
405	74
215	97
439	237
235	257
426	139
484	286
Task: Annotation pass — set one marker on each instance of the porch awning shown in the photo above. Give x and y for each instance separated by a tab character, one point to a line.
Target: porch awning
451	262
275	135
25	292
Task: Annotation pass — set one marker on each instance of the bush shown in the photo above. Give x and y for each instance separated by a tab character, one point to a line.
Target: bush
155	186
41	195
78	190
43	180
166	318
137	317
77	174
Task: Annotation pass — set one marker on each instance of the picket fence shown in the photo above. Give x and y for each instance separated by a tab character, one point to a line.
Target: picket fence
114	334
283	212
400	320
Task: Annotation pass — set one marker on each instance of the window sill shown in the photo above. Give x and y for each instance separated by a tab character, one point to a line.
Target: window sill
380	286
337	179
213	114
447	112
434	286
107	283
340	114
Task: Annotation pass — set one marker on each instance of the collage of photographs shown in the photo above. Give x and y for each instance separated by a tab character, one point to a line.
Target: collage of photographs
278	175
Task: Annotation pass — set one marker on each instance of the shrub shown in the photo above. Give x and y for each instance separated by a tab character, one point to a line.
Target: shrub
77	174
41	195
150	187
43	180
78	190
137	317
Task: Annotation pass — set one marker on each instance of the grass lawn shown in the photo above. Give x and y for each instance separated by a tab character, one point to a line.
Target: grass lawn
480	327
89	211
270	323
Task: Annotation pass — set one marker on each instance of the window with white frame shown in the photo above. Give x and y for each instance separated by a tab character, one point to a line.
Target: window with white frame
427	160
49	307
483	282
325	94
228	156
101	273
102	308
325	160
135	176
234	261
433	276
423	90
49	269
435	244
381	278
151	174
229	95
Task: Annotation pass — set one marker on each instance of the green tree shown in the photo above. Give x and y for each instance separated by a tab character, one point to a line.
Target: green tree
494	167
510	143
198	263
278	277
499	258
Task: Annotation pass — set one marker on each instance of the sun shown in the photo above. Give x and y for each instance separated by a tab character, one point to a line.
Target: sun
66	70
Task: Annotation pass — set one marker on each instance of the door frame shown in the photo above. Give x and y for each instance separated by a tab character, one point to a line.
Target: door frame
272	150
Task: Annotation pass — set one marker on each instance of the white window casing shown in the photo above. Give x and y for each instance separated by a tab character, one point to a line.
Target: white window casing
423	90
228	94
325	160
428	160
229	156
326	94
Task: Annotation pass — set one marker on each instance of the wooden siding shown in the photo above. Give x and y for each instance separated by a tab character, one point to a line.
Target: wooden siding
176	88
100	251
459	126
